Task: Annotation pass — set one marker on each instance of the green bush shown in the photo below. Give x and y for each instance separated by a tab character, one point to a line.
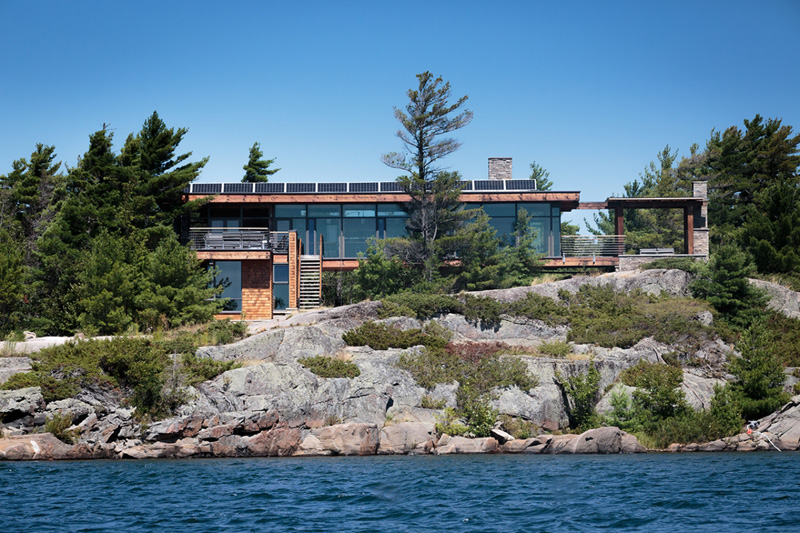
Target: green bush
519	428
599	315
478	368
380	336
659	394
582	391
474	407
555	348
227	331
429	403
686	264
425	305
487	310
58	424
198	369
538	307
785	337
450	423
330	367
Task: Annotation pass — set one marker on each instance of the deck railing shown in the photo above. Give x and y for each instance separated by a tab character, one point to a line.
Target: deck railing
239	239
592	245
349	187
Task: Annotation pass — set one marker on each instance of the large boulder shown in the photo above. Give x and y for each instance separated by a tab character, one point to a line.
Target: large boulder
43	446
450	445
13	365
340	439
20	403
781	299
406	437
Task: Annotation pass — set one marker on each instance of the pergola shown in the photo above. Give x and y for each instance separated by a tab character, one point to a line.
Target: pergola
690	206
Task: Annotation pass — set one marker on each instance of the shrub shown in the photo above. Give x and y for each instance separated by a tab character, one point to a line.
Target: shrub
659	393
58	424
519	428
785	337
538	307
227	331
555	348
199	369
425	305
379	336
330	367
474	407
599	315
686	264
487	310
582	391
449	423
429	403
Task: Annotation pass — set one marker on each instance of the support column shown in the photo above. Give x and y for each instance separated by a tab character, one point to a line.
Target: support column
688	230
619	224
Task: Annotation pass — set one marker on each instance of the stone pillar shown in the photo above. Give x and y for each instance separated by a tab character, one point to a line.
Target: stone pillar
499	168
700	219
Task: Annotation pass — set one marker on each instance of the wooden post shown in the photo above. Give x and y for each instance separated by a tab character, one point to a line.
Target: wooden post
688	229
620	222
294	269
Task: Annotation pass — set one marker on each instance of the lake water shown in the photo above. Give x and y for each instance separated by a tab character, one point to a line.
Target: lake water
653	492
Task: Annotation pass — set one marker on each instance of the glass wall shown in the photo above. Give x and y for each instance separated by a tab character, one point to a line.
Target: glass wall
346	228
229	277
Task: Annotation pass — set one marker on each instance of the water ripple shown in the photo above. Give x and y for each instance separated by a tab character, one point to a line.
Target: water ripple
700	492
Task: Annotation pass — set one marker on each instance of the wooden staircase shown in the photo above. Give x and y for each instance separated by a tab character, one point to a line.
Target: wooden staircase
310	281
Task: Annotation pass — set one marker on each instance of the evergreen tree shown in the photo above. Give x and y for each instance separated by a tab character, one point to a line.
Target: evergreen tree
427	117
771	231
758	387
727	287
740	164
542	177
257	169
163	175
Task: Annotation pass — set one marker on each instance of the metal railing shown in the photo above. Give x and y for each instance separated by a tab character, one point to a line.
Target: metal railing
592	245
349	187
239	239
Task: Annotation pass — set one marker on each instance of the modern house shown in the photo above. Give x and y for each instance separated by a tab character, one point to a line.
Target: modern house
270	242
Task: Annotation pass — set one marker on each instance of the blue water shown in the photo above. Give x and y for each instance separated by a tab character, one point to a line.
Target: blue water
656	492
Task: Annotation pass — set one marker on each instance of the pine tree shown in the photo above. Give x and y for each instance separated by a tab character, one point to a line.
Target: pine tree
771	231
427	117
542	177
257	169
758	386
727	287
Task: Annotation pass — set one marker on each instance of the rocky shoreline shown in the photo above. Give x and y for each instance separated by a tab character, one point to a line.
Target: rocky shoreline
274	406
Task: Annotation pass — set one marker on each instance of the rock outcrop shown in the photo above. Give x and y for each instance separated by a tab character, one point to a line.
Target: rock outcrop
273	406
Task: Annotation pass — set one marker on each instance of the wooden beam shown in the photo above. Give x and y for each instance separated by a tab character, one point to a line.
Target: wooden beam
619	221
593	205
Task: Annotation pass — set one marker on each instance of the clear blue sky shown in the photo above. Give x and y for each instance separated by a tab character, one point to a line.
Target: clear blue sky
590	90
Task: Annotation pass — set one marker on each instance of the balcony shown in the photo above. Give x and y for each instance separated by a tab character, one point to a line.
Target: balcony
234	239
592	245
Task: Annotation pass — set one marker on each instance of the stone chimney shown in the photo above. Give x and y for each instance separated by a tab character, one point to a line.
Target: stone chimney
700	229
499	168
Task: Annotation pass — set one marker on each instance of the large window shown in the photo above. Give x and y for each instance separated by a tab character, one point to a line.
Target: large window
280	287
229	277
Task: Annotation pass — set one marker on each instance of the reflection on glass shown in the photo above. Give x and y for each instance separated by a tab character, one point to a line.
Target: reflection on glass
229	276
356	232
